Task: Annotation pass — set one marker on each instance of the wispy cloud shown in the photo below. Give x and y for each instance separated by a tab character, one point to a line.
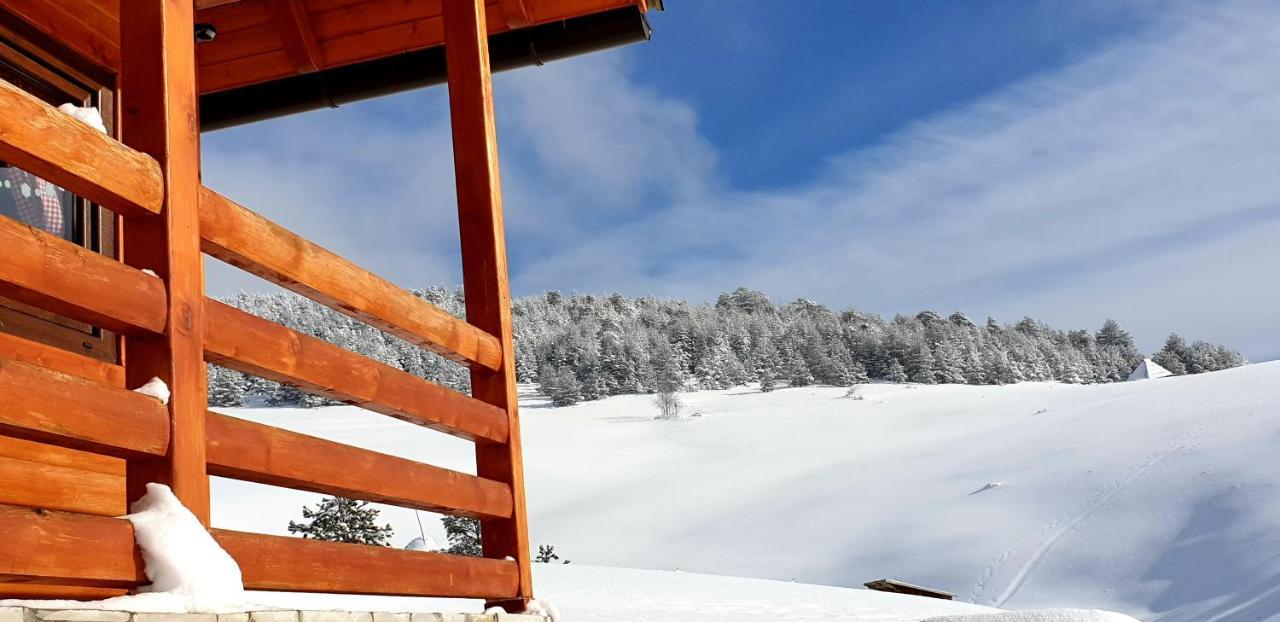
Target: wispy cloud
1137	183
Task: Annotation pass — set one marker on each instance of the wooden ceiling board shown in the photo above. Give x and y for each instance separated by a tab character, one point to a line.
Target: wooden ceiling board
249	48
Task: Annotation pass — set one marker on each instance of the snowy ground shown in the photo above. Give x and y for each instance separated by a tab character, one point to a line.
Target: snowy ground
1156	498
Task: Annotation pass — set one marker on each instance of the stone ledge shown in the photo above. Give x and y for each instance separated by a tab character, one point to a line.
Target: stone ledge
25	614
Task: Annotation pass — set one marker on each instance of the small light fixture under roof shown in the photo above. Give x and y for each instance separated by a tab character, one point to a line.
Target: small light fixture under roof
205	32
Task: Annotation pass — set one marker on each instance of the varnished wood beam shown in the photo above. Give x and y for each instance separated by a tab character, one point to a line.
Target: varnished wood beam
296	565
250	344
517	13
209	4
52	407
45	591
53	487
294	28
159	100
35	353
259	453
41	546
55	146
252	243
49	547
49	272
484	270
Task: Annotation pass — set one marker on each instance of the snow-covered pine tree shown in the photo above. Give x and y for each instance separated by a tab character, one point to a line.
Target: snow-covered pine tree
463	534
561	385
339	519
896	373
668	377
227	387
1174	356
606	345
920	365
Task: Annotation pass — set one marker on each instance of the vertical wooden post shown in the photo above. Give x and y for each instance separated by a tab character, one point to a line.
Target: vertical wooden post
484	268
160	118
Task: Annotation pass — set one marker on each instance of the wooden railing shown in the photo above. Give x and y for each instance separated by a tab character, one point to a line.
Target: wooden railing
59	534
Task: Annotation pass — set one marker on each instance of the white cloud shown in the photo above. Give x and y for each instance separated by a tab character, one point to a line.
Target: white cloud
1137	183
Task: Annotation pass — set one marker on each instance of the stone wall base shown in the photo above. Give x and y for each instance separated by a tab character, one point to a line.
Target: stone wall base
26	614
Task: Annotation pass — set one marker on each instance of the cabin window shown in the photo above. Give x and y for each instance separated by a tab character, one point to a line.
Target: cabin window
33	201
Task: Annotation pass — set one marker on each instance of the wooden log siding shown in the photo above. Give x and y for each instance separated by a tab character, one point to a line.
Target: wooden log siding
44	546
250	344
252	243
51	547
259	453
35	353
36	484
296	565
60	409
66	151
46	271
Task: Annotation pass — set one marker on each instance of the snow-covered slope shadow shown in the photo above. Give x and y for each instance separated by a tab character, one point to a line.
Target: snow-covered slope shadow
1157	498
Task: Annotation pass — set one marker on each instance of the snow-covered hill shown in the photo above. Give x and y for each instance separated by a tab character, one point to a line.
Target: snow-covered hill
1156	498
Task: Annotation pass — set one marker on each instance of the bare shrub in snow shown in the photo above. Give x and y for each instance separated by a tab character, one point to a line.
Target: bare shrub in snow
547	554
854	393
669	405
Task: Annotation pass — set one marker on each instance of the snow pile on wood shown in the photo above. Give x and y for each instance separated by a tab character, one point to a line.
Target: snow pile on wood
87	115
189	572
187	569
155	388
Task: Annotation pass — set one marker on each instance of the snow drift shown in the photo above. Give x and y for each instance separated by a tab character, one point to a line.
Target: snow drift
1157	499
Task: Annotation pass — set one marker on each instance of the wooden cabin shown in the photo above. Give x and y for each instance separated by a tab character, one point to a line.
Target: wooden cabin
101	284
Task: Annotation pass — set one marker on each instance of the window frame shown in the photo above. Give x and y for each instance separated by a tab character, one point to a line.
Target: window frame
40	60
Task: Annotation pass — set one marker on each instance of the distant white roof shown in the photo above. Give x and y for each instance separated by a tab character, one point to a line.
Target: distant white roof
1148	369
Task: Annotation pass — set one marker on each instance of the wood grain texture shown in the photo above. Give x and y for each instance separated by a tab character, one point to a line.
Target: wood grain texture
42	485
294	28
160	118
60	456
484	269
247	343
259	453
248	241
295	565
53	274
352	32
49	547
52	407
88	27
39	354
49	143
45	591
237	58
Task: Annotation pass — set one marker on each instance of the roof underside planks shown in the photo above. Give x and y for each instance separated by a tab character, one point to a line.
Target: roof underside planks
264	40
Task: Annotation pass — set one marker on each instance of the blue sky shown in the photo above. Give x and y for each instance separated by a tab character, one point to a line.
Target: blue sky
1071	160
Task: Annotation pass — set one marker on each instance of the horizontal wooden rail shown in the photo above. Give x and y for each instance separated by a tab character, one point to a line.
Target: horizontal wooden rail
41	546
248	241
267	455
49	143
51	273
245	342
60	409
36	353
44	591
295	565
52	487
